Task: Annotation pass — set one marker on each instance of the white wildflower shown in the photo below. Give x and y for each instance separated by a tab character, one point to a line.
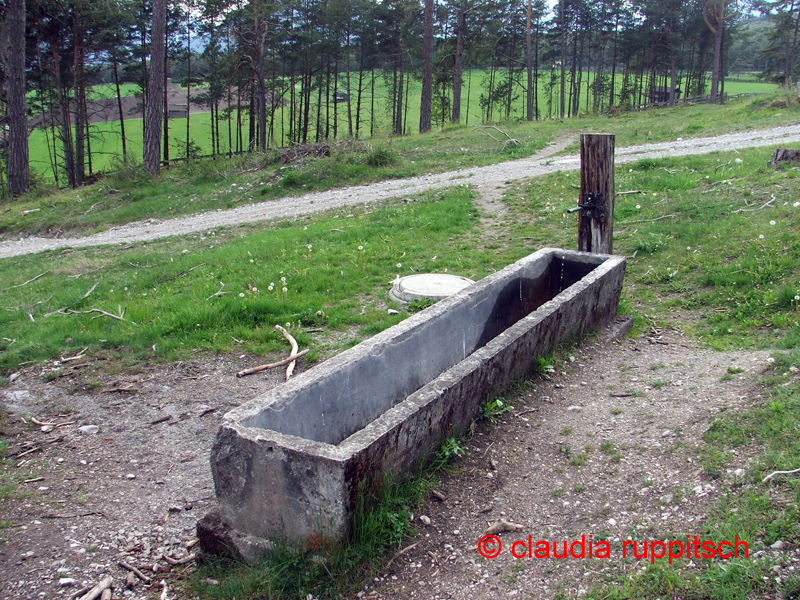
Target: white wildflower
241	294
761	237
399	265
638	206
772	222
285	289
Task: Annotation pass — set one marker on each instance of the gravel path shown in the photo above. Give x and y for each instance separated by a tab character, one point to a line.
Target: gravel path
483	177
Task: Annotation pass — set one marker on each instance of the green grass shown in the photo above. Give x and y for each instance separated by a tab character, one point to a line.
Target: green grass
334	269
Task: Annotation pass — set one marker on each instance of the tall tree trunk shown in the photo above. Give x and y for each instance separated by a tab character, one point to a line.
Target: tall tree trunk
66	120
119	108
563	59
458	66
166	109
714	15
154	111
427	69
17	165
78	84
188	85
398	119
529	63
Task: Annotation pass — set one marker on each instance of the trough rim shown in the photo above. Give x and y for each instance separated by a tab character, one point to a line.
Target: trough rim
395	415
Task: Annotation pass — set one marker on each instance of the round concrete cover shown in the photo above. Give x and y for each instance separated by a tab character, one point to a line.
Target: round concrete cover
433	286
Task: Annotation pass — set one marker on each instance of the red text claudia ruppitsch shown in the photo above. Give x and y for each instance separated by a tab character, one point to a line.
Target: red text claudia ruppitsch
490	546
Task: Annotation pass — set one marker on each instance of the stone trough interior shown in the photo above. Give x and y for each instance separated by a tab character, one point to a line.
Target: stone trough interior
345	401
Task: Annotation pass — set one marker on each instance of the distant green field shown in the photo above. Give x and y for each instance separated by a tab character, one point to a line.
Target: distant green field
106	144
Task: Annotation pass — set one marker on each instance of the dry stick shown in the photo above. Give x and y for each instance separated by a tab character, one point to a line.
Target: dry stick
629	192
78	356
403	551
218	293
765	205
36	421
274	365
670	216
179	561
295	348
19	285
771	475
80	592
106	595
101	313
91	289
97	590
136	572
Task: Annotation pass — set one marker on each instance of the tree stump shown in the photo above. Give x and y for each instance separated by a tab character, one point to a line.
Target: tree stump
784	155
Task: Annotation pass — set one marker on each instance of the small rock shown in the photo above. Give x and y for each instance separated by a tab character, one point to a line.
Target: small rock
738	473
175	509
89	429
209	581
666	498
66	582
493	464
130	476
612	522
779	545
666	433
574	407
392	311
47	428
425	520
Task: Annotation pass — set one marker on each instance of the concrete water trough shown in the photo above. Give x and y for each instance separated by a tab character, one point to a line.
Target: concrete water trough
289	464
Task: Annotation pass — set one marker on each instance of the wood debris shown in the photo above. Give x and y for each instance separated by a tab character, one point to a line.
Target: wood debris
295	348
501	526
97	591
136	572
274	365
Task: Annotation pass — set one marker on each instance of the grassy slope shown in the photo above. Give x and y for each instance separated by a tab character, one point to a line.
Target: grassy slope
206	185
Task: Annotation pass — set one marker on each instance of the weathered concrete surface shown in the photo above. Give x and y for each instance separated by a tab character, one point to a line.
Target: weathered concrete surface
289	464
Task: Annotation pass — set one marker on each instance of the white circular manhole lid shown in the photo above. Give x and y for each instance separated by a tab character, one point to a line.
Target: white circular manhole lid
433	286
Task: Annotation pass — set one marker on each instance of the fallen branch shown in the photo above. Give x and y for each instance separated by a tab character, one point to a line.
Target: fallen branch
161	420
91	289
122	390
501	526
630	192
100	313
136	572
78	356
771	475
507	142
98	590
19	285
403	551
670	216
295	348
218	293
179	561
274	365
36	421
765	205
75	516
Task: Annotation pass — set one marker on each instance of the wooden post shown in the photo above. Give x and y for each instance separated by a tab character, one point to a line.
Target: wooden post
596	217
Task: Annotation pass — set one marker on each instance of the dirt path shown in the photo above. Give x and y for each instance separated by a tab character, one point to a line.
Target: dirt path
488	177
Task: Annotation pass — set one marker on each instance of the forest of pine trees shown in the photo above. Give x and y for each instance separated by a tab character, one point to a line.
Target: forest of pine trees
245	59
